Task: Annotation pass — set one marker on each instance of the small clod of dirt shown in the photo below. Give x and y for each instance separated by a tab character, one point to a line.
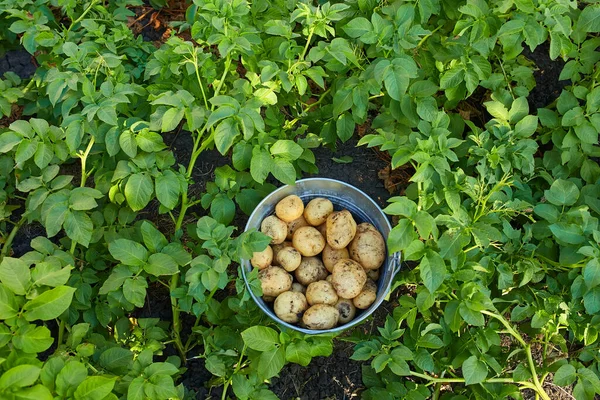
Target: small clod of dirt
547	84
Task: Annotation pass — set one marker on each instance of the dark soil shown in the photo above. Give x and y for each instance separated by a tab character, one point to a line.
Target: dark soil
18	61
548	87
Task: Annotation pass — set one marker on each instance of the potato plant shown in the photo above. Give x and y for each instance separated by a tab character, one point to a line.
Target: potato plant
498	227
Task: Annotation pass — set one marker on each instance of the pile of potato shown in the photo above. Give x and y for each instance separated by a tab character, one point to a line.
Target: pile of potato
321	266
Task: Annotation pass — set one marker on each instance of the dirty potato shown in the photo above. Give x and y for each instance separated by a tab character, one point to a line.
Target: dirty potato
289	208
331	256
341	229
346	309
320	316
289	258
311	269
262	259
367	296
275	228
349	278
317	210
321	292
289	306
368	247
294	225
308	241
274	281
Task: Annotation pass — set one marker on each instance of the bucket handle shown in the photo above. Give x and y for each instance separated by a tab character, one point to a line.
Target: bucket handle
396	264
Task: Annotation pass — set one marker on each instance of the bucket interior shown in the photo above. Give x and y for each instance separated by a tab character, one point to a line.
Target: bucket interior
342	196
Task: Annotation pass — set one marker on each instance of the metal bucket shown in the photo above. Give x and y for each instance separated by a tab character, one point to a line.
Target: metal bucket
342	195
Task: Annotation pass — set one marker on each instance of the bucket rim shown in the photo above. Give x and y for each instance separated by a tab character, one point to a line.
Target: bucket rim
392	260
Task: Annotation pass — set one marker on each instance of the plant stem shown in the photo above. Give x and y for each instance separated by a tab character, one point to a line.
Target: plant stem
61	332
188	343
84	176
11	237
310	35
235	371
200	81
458	380
82	16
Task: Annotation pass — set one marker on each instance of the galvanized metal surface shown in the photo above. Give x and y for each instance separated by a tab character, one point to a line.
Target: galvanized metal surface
342	195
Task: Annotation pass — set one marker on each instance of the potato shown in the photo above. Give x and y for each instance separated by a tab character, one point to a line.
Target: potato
317	210
289	208
289	258
289	306
274	227
274	281
321	292
308	241
322	229
346	309
348	278
367	296
276	248
321	316
329	278
331	256
311	269
373	274
368	247
341	229
294	225
262	259
298	287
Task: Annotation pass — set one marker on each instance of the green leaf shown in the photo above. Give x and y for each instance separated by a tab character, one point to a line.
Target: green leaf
128	252
50	274
260	165
474	371
94	388
33	339
167	188
299	353
271	362
562	193
50	304
116	359
79	227
134	290
161	264
8	302
342	101
15	275
591	300
358	27
225	134
397	77
222	209
108	114
260	338
128	143
37	392
589	19
565	375
526	127
591	273
283	171
135	391
344	127
433	271
154	240
138	191
20	376
54	211
287	149
171	119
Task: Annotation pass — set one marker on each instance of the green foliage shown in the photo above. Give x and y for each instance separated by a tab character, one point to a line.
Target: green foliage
499	224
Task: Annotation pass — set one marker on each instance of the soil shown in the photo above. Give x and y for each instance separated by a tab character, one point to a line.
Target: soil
18	61
548	87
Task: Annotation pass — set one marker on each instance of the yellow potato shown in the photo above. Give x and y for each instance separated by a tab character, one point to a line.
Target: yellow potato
323	229
321	292
262	259
289	306
331	256
349	278
320	316
298	287
317	210
274	281
308	241
276	248
289	258
367	296
341	229
368	247
311	269
346	309
294	225
274	227
373	274
289	208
